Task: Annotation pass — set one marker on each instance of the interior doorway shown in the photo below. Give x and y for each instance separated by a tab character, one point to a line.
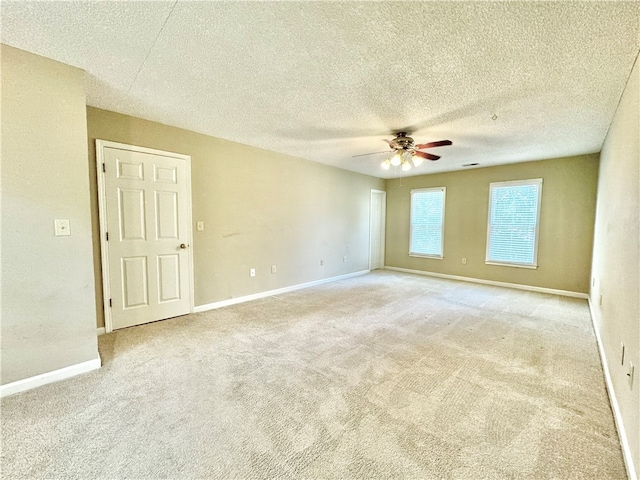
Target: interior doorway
377	224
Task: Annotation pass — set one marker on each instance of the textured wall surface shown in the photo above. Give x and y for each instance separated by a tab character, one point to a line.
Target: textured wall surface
260	209
566	222
48	308
616	257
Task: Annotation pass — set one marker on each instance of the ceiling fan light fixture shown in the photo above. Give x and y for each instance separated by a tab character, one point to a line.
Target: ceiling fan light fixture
406	153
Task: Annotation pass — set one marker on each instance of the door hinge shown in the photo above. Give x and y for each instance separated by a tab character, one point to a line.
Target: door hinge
107	236
110	303
104	168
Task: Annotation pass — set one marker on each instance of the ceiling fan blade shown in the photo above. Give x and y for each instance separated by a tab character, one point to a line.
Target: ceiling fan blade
426	155
373	153
441	143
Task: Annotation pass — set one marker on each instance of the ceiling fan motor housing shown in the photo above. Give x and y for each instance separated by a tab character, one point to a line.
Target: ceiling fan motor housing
407	152
402	142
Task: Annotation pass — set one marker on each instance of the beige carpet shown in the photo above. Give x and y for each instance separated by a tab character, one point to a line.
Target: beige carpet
385	375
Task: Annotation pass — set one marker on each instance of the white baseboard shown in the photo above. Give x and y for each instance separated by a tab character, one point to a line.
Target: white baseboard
100	331
269	293
617	415
553	291
49	377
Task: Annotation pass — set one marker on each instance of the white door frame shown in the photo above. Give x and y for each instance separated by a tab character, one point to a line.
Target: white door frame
383	223
102	211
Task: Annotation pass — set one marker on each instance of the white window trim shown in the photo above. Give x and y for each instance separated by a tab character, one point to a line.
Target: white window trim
515	183
444	198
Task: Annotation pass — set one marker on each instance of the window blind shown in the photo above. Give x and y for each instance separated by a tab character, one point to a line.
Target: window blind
514	212
427	221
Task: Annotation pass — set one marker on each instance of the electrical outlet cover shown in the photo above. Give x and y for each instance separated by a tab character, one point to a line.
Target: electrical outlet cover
62	228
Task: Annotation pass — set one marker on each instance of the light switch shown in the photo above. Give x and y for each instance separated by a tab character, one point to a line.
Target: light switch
62	227
200	226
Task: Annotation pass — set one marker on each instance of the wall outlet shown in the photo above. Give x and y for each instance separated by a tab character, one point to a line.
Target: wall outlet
344	259
273	269
630	375
322	263
252	272
464	261
200	226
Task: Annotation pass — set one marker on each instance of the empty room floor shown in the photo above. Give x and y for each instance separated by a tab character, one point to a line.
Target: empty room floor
384	375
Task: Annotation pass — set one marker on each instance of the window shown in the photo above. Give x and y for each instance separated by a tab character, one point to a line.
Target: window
427	222
514	216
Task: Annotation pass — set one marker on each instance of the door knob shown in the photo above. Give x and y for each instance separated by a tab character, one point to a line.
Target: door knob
182	245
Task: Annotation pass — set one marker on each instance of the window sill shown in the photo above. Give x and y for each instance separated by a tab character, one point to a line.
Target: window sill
517	265
434	257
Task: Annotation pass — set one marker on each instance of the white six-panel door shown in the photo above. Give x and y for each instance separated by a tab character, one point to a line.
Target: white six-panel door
146	215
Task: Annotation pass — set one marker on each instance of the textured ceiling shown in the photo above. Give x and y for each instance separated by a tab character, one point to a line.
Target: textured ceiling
505	81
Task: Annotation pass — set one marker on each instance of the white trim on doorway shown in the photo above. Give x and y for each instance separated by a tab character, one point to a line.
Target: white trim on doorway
382	223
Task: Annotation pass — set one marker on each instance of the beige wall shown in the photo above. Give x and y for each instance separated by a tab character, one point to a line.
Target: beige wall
260	209
566	225
48	308
616	257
